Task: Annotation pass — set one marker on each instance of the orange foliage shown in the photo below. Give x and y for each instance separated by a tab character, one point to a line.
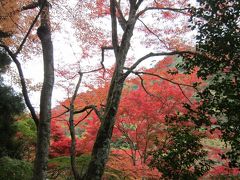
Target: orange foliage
120	161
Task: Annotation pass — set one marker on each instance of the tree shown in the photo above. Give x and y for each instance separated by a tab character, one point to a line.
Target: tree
217	62
121	47
43	137
43	122
124	15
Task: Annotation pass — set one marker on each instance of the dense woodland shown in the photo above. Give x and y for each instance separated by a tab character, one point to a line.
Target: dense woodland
151	91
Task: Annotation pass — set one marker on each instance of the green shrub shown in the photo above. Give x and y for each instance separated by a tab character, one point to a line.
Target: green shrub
13	169
60	167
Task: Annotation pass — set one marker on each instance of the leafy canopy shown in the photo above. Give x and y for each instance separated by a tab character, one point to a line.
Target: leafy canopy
218	62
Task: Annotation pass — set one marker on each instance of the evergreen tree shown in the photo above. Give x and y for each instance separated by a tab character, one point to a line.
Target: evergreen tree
11	104
218	62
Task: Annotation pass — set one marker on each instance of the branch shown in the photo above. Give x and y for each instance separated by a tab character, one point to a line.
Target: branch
173	82
60	114
154	55
153	33
93	107
114	25
88	113
180	53
29	31
165	79
23	83
143	86
66	107
102	63
33	5
184	94
76	89
139	3
163	9
122	21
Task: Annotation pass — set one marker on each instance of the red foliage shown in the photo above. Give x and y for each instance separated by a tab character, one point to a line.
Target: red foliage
140	119
141	116
120	161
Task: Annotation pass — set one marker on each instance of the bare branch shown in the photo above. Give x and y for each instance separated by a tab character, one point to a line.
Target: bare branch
114	25
76	89
143	86
60	114
165	79
122	21
184	94
29	31
93	107
33	5
84	109
139	3
23	84
102	63
153	33
149	93
88	113
153	55
180	53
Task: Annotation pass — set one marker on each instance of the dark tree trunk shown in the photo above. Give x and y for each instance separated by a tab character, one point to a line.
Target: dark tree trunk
43	136
101	146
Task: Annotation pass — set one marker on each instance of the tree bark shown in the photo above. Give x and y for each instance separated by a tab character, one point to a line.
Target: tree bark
43	136
72	129
101	146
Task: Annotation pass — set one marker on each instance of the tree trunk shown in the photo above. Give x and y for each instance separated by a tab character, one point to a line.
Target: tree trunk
101	146
43	136
72	130
73	143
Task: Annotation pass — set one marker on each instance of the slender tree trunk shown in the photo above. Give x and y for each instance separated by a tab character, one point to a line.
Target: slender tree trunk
73	143
72	130
43	136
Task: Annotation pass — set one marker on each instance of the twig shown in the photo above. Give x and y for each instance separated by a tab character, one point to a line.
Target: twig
143	86
60	114
163	9
88	113
153	33
173	82
163	78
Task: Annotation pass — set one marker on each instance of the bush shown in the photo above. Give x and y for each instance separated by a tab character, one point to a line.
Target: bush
181	156
13	169
60	167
